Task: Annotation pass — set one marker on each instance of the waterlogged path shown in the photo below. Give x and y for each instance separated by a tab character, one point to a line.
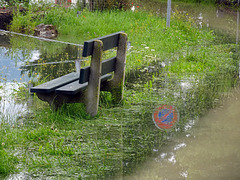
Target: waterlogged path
209	150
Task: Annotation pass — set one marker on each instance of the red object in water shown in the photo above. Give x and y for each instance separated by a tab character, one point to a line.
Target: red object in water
165	116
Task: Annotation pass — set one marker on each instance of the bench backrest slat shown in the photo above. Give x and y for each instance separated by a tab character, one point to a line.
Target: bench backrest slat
109	42
107	67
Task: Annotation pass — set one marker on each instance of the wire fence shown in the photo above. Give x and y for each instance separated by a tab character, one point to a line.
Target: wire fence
103	4
40	38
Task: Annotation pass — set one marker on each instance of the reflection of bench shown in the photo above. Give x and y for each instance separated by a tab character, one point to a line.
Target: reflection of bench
85	87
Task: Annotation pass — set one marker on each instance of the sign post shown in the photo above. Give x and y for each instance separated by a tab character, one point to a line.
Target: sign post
168	13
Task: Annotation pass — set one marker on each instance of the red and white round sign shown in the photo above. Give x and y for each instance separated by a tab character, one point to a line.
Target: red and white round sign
165	116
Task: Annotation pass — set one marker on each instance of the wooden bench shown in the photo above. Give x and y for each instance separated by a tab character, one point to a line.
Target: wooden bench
85	86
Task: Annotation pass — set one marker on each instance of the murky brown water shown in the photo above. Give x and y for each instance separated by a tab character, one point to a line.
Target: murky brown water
209	150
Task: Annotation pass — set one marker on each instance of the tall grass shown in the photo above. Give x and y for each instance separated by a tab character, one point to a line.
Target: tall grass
8	161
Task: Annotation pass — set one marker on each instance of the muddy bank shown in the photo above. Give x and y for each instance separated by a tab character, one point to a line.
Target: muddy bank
6	16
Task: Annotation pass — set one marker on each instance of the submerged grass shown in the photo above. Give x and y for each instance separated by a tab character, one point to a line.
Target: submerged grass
179	65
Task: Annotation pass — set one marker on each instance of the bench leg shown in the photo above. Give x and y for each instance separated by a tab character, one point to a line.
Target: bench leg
116	85
93	90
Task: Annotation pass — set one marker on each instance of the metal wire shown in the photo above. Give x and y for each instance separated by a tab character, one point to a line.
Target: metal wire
41	38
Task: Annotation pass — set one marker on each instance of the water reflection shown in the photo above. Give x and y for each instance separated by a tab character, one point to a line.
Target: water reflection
22	57
23	60
11	68
10	110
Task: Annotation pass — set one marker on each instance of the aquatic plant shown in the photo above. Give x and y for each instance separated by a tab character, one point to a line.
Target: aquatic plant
23	23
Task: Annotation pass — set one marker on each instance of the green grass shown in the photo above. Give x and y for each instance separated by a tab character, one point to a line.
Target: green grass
144	31
8	161
68	144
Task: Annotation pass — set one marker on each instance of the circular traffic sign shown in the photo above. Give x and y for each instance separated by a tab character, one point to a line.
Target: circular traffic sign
165	116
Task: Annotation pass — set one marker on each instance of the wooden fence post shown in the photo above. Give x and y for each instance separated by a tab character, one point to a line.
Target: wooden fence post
93	90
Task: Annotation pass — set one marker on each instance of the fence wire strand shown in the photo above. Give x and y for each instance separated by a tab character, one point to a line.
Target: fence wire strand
40	38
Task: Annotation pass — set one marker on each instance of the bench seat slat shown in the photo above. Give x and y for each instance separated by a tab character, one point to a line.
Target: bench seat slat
50	86
75	87
107	67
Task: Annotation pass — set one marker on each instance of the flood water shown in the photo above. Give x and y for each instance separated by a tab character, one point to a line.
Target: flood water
21	65
222	20
209	150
